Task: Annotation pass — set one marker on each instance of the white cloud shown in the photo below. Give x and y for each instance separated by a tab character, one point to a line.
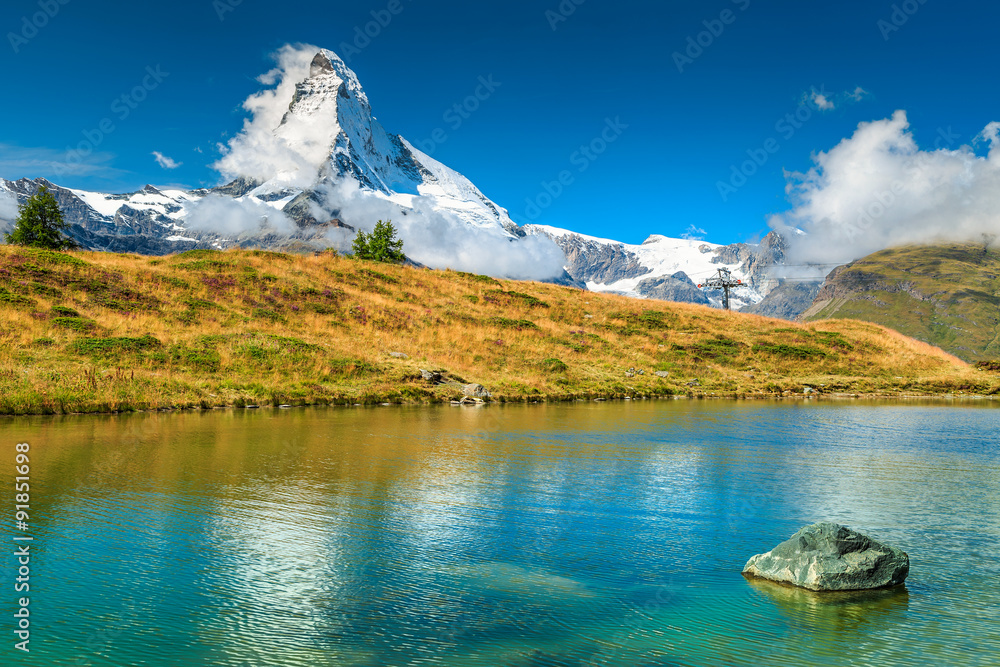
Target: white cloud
991	136
8	206
858	94
294	156
257	152
821	102
164	161
438	240
694	233
879	189
231	217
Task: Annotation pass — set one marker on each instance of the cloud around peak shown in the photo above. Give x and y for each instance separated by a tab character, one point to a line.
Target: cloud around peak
257	152
437	239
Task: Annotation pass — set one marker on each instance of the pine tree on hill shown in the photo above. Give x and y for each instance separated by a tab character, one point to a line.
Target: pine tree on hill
40	224
381	245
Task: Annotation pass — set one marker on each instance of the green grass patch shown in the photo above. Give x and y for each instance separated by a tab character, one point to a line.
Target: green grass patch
505	323
803	352
715	348
344	368
52	257
554	365
16	300
271	255
478	278
75	323
45	290
201	359
63	311
214	265
375	275
200	304
834	339
511	298
103	347
269	315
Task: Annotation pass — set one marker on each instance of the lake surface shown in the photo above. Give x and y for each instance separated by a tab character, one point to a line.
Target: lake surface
581	534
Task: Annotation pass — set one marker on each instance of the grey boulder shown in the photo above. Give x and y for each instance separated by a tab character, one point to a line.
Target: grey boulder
831	557
475	391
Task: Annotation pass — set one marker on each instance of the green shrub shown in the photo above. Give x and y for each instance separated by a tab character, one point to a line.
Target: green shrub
109	346
75	323
791	351
269	315
505	297
16	300
505	323
198	359
478	278
554	366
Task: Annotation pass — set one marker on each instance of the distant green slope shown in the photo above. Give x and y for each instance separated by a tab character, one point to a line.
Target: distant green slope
945	295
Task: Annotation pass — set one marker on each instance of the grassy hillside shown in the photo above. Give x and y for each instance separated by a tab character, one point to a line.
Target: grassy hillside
87	332
946	295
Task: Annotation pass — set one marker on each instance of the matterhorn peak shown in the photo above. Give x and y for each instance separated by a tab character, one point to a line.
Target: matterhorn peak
321	63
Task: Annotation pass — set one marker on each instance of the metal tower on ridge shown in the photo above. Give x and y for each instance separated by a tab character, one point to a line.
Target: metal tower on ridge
725	282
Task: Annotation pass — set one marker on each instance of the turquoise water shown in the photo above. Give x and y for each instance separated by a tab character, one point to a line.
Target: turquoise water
584	534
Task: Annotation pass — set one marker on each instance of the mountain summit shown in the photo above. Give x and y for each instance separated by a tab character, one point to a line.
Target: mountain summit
312	164
329	141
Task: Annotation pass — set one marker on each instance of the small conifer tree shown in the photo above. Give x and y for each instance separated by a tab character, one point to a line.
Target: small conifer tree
381	245
40	224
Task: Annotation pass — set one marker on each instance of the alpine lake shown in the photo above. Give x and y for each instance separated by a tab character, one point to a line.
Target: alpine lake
579	534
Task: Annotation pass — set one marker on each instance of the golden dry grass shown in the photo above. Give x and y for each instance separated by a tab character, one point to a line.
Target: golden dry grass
89	332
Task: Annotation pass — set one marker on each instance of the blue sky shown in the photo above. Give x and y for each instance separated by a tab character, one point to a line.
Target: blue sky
562	77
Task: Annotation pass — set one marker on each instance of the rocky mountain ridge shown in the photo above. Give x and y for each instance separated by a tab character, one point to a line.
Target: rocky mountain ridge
334	159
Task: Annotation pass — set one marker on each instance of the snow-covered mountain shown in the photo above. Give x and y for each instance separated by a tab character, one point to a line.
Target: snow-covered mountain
329	137
313	164
335	152
666	268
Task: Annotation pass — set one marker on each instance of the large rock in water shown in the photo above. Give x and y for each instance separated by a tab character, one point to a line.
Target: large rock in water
831	557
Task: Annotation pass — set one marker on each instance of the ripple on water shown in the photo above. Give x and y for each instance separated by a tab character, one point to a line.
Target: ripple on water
549	535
